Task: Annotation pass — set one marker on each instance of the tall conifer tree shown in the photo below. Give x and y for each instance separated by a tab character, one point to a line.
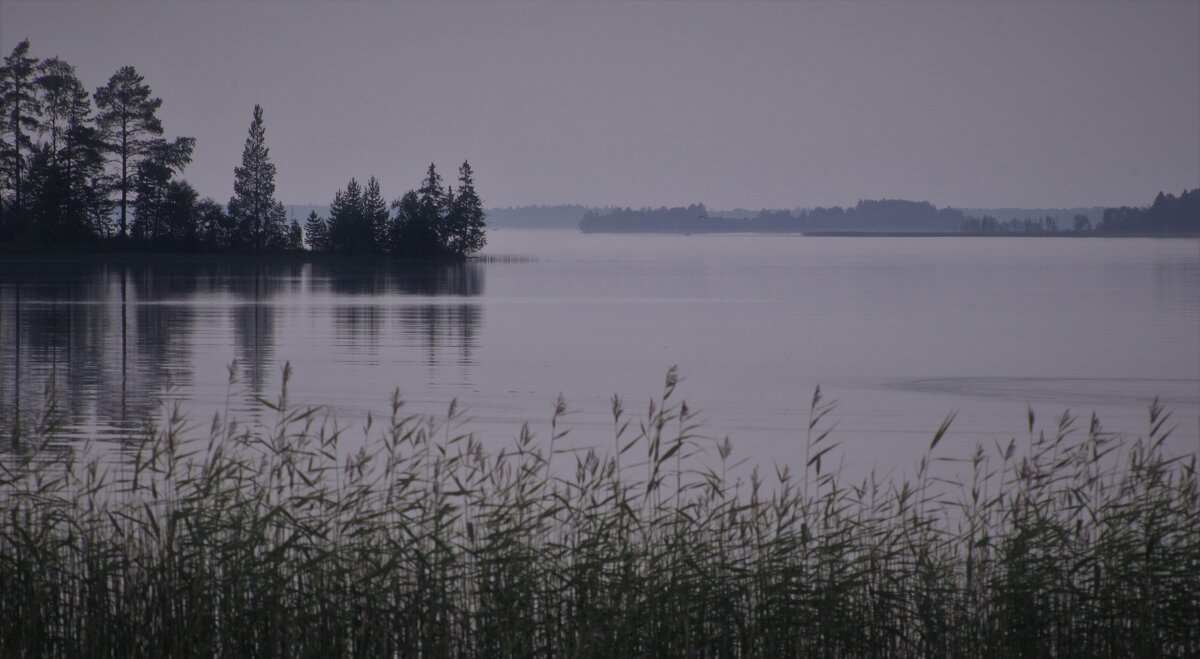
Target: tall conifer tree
316	232
465	218
346	218
375	219
253	206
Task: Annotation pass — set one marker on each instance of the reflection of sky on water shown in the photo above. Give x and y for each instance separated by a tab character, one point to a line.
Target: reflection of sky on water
900	332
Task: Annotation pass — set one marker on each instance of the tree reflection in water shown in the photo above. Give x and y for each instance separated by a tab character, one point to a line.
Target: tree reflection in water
115	335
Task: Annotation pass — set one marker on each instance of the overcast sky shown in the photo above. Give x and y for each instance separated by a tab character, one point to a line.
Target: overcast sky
988	103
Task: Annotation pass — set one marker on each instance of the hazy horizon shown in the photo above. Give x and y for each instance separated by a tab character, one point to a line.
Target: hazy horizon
751	105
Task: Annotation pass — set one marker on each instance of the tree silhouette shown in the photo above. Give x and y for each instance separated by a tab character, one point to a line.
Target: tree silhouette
57	152
213	225
316	232
403	227
346	218
59	92
253	205
127	120
423	235
375	219
465	230
295	236
178	217
20	109
161	161
73	203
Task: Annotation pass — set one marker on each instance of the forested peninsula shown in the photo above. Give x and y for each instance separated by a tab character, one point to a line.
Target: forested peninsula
95	172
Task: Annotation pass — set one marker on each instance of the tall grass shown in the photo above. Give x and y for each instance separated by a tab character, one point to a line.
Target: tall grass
280	541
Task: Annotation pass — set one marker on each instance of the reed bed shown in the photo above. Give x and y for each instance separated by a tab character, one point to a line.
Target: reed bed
281	541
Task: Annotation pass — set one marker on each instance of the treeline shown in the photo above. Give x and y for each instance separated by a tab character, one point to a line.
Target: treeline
562	216
68	159
1168	214
428	222
988	225
884	215
94	170
679	219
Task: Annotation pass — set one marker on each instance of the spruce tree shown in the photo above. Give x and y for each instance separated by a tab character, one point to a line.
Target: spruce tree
345	218
466	226
430	193
426	232
401	230
278	236
127	119
316	233
295	236
373	233
253	205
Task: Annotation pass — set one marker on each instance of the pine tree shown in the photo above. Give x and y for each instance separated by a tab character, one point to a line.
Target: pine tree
58	87
252	206
76	152
127	120
466	230
20	108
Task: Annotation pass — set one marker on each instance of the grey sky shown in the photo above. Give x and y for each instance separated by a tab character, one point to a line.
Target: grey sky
983	103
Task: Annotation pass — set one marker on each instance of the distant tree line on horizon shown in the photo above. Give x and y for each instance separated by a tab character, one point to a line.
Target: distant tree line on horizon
866	216
80	170
1167	215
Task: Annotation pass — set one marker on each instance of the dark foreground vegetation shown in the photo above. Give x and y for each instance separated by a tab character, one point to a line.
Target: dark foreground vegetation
94	172
281	541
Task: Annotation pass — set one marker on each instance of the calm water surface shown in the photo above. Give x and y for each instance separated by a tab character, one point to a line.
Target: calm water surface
900	331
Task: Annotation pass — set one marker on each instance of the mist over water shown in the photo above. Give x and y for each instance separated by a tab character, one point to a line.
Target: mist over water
900	331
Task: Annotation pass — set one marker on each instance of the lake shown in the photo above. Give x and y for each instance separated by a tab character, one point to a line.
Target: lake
900	331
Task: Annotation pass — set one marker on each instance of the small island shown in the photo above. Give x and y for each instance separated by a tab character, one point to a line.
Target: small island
93	172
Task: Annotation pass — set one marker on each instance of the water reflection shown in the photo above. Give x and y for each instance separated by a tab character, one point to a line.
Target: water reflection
114	335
